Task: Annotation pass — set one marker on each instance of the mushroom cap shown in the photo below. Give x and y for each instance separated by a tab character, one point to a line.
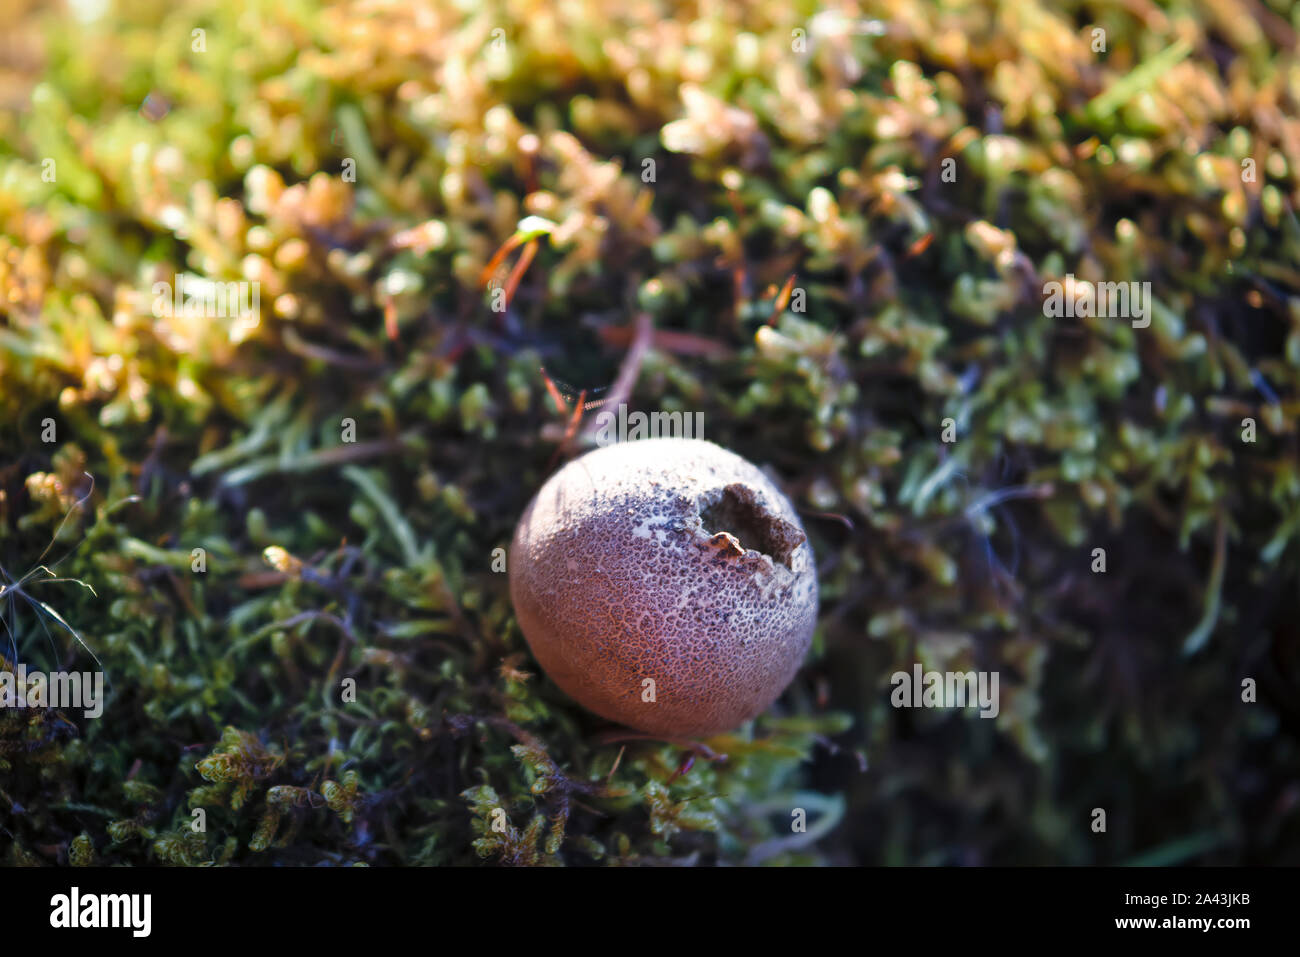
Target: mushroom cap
672	560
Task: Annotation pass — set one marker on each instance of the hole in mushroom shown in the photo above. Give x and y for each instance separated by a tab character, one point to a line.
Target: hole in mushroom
736	510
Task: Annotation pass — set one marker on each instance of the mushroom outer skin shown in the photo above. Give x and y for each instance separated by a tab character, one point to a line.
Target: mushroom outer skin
671	561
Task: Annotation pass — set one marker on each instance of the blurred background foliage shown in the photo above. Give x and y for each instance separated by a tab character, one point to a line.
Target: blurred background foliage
920	168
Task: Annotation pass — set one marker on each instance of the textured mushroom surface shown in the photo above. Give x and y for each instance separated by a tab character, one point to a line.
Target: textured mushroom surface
665	584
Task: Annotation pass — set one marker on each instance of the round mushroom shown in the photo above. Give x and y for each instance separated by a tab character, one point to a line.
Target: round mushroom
665	584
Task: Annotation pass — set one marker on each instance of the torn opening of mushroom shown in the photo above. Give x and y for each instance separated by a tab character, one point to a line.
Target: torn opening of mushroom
737	511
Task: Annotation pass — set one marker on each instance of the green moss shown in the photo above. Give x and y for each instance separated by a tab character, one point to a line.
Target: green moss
292	532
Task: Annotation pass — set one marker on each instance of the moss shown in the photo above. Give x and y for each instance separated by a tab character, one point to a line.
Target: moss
290	542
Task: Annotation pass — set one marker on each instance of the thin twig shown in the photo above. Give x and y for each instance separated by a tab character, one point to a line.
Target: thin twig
631	367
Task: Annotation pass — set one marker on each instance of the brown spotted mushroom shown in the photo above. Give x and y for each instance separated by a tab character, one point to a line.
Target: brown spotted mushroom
665	584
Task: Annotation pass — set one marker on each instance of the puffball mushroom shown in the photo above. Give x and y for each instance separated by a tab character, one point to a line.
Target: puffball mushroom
665	584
